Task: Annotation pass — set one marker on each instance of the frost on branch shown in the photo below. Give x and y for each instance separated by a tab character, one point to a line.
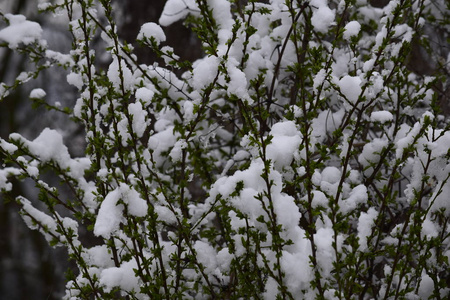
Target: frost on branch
298	159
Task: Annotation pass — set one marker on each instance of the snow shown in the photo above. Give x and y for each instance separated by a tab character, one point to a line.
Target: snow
331	174
123	277
175	10
21	31
152	30
351	29
204	72
110	214
139	115
285	142
165	214
4	174
371	152
350	87
238	81
120	75
358	195
3	90
366	221
49	146
404	142
8	147
381	116
37	93
36	219
323	16
98	256
319	199
75	79
144	94
368	65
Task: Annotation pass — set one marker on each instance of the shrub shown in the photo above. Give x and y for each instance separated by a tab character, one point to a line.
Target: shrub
299	159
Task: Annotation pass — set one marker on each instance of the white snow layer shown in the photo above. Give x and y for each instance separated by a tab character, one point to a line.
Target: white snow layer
176	10
20	31
351	29
120	75
381	116
323	16
37	94
350	87
152	30
365	223
110	214
285	142
204	72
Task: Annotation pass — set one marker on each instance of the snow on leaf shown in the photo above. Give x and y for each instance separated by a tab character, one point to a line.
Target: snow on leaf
204	72
120	75
123	277
285	141
20	31
350	87
351	29
109	216
152	30
323	16
365	223
176	10
37	93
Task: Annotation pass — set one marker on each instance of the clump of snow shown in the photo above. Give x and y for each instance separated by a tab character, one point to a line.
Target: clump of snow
161	142
49	146
177	150
36	219
123	277
4	174
120	75
204	72
176	10
371	152
323	16
238	81
75	79
358	195
407	140
3	90
20	31
110	214
152	30
319	199
350	87
98	256
331	174
351	29
365	223
368	65
381	116
139	115
426	286
286	140
37	93
8	147
144	94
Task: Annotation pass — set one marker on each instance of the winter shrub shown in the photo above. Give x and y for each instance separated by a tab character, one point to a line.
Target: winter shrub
298	159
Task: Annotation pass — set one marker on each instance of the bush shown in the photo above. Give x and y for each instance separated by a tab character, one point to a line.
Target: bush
299	159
